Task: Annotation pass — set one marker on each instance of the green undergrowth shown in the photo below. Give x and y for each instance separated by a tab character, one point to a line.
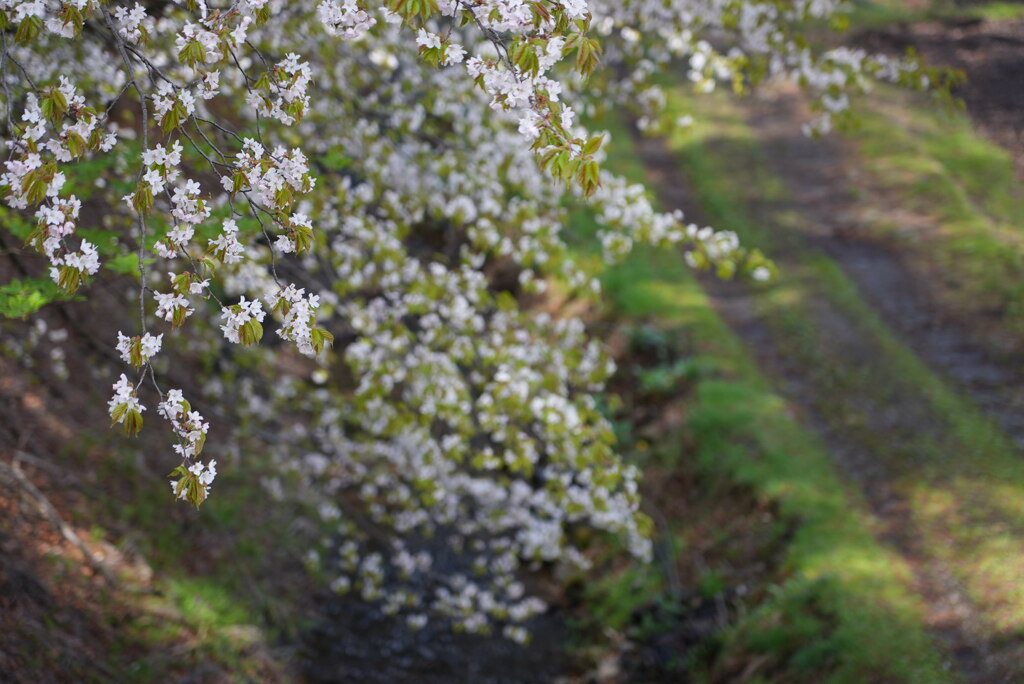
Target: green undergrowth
831	604
960	475
218	588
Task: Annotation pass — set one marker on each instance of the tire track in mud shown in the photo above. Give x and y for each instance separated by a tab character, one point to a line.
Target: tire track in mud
815	174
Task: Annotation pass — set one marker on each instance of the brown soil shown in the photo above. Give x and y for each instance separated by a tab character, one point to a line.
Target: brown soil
77	599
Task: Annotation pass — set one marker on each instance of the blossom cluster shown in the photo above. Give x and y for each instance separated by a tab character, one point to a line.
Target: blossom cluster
32	176
124	407
138	350
736	44
226	246
133	24
242	321
193	477
187	424
285	98
346	18
298	312
436	148
194	484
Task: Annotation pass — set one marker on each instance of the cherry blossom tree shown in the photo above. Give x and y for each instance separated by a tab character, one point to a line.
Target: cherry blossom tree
384	184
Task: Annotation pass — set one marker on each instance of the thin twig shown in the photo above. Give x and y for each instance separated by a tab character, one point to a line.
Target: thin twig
130	73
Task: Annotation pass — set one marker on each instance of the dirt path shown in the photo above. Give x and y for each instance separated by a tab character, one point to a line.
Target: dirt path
863	422
819	174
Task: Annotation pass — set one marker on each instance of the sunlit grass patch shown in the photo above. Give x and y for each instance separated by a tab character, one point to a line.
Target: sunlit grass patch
838	605
857	370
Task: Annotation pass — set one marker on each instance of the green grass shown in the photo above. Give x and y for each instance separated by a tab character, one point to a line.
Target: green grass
841	608
961	476
966	190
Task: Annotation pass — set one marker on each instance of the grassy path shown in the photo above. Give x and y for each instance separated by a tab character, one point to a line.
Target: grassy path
788	565
944	481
